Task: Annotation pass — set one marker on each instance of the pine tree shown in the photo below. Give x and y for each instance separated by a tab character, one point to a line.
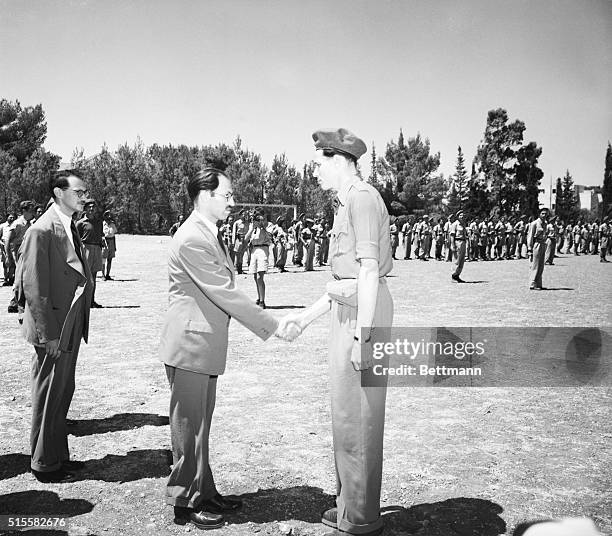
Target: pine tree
570	200
373	178
459	185
559	198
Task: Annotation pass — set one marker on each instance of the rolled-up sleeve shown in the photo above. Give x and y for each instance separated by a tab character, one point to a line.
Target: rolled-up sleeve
365	219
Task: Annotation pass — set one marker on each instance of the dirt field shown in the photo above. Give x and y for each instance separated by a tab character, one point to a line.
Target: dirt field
457	461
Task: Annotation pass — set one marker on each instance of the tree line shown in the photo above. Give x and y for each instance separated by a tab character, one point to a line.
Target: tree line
145	187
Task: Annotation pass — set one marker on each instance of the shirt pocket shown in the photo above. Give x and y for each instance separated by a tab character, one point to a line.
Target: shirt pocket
339	242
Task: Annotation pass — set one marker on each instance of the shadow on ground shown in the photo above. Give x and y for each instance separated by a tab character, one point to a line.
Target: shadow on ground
118	422
304	503
461	516
453	517
134	465
42	503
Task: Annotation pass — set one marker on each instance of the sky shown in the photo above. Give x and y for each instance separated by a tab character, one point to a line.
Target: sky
274	71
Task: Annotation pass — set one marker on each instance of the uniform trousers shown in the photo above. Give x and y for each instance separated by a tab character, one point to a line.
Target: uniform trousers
537	264
53	386
551	247
239	249
458	257
192	402
358	419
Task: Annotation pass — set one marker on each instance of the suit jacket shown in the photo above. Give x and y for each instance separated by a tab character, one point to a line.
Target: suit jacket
203	297
55	286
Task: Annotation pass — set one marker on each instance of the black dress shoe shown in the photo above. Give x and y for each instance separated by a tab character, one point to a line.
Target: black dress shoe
73	465
61	476
330	518
220	504
202	520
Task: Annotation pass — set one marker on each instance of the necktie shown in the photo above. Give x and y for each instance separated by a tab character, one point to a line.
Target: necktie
77	241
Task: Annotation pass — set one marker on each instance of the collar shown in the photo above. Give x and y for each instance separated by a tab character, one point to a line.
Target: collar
344	190
209	225
66	220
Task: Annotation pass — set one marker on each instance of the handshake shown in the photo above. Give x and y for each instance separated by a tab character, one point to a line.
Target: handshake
290	327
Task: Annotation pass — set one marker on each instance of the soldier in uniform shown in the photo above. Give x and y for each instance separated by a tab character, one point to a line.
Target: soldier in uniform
407	237
491	238
482	239
438	232
361	313
520	229
424	238
551	241
298	252
458	239
473	240
576	239
536	244
448	253
604	239
239	231
594	237
394	237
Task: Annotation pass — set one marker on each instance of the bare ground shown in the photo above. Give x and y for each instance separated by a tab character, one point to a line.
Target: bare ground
457	461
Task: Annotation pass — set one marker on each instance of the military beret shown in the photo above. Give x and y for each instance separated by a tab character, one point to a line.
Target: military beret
341	141
460	212
279	219
425	216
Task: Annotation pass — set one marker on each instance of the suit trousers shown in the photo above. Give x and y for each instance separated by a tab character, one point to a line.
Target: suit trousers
52	390
358	419
192	402
537	264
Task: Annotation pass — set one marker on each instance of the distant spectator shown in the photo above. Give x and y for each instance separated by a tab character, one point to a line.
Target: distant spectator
109	228
16	234
90	231
4	232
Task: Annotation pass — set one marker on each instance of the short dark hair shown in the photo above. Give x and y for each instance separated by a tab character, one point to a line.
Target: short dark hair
60	179
331	152
205	179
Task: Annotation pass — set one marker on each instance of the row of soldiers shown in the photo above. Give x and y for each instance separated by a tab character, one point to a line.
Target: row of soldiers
306	238
494	238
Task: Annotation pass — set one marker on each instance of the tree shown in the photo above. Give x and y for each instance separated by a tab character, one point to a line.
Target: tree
607	183
282	182
567	209
527	180
22	130
558	195
496	159
459	185
409	170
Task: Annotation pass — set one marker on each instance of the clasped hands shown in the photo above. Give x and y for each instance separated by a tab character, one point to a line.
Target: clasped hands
290	327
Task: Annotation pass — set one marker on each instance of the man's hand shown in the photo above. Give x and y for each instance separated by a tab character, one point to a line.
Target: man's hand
52	348
361	355
289	328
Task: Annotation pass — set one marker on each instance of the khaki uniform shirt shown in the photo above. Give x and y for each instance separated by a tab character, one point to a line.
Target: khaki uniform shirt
360	231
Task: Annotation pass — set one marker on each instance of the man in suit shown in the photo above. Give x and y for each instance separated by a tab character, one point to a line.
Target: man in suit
55	287
203	296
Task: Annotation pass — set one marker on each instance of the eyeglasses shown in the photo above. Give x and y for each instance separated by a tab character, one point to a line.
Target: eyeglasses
228	196
79	193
